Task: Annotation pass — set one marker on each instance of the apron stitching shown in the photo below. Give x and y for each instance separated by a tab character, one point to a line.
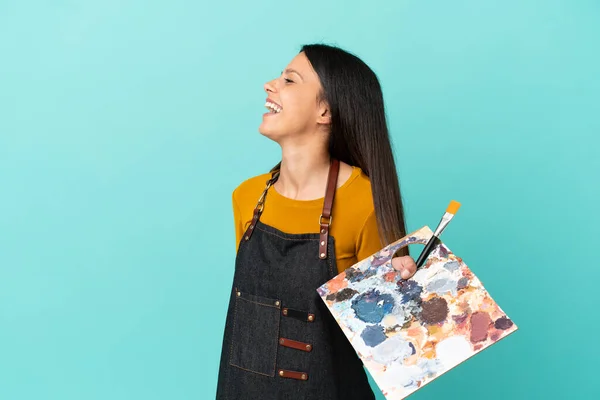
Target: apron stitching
276	342
329	261
233	341
254	372
284	238
232	331
256	302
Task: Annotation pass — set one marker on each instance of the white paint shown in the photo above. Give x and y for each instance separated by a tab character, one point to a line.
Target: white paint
391	350
452	351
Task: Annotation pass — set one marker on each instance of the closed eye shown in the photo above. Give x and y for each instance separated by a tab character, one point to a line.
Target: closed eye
288	80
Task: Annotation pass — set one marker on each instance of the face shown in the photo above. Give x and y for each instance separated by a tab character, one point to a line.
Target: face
293	104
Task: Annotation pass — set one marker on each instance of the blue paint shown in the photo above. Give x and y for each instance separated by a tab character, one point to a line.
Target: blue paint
372	306
443	251
442	286
373	335
378	261
354	276
410	290
412	347
452	266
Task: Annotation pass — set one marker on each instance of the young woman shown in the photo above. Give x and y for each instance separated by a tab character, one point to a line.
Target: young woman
333	200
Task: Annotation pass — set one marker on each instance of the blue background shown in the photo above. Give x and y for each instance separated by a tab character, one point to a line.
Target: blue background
125	125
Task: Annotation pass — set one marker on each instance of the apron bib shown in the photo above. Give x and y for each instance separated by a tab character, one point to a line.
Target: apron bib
280	341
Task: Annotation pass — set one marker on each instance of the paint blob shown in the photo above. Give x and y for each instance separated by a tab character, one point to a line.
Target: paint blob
373	335
434	311
442	286
373	306
452	266
342	295
410	290
503	323
463	282
480	323
453	350
393	349
357	275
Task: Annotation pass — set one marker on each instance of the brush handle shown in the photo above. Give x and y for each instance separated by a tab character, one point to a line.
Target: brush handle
434	241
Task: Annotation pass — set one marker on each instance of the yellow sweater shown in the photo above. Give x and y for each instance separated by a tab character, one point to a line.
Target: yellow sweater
353	225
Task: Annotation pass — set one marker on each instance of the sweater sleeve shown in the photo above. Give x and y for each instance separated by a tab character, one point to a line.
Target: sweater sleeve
368	241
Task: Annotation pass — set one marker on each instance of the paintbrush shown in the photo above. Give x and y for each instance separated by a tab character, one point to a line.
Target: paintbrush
435	239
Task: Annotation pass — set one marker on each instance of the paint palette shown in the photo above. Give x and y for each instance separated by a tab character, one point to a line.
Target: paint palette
409	332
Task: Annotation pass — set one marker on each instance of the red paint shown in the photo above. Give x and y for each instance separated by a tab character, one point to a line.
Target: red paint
391	276
480	323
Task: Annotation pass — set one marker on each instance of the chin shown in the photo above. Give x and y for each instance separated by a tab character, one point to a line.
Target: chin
270	133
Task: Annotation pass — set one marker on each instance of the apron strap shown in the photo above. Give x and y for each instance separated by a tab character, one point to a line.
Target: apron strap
260	205
325	217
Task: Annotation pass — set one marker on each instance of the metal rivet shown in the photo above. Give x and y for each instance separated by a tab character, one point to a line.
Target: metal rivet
322	230
322	243
280	373
311	318
322	255
247	237
251	226
285	311
239	294
304	376
281	341
277	303
308	347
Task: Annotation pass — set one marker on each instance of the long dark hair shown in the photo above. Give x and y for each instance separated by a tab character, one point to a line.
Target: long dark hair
359	133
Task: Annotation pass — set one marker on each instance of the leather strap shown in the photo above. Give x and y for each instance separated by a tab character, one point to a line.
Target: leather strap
260	206
297	314
295	344
326	218
293	374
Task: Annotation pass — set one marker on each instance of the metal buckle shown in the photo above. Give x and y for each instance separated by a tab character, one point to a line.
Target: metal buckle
328	222
259	207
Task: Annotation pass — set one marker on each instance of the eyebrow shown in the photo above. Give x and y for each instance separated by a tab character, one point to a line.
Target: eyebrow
293	71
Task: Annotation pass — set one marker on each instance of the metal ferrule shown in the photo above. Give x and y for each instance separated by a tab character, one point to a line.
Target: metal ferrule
443	224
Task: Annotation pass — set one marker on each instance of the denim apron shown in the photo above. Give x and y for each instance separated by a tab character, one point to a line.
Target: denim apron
280	342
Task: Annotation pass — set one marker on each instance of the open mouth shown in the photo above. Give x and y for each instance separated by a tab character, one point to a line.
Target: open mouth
273	108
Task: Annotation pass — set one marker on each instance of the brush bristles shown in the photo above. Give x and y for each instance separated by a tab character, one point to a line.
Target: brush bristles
453	207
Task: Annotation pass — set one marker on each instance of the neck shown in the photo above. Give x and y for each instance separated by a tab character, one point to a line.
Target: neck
304	171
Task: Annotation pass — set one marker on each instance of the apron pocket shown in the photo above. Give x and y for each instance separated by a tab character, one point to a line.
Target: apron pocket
255	333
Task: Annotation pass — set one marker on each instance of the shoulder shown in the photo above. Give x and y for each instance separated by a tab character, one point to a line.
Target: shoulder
358	190
354	201
250	189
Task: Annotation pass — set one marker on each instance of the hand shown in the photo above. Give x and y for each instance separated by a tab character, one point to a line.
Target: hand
406	265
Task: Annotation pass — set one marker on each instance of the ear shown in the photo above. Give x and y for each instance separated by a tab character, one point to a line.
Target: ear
324	117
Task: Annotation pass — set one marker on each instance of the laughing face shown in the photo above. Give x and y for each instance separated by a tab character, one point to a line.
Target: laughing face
293	103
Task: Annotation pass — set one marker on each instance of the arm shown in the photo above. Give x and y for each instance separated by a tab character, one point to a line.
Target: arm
368	241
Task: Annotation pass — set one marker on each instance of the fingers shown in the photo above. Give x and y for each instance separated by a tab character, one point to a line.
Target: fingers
406	265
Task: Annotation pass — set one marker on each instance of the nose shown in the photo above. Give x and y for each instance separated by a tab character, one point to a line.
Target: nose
270	86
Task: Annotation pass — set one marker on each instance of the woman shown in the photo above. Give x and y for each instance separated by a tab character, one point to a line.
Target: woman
332	201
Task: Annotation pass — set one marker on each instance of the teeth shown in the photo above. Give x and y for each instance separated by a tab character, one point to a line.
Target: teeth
273	107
